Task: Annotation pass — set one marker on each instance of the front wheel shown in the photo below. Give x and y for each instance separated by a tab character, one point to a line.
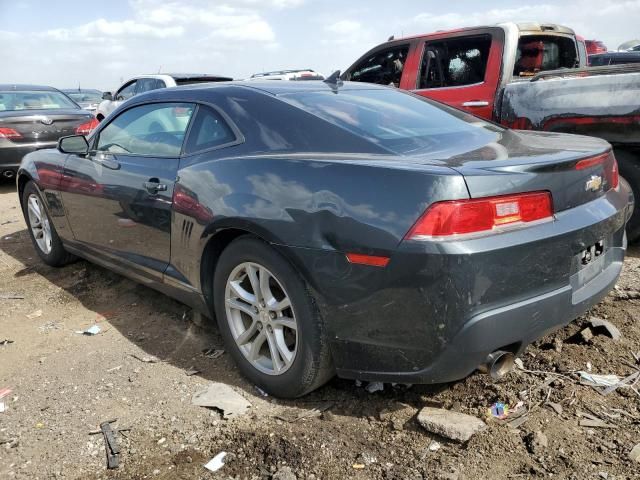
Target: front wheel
269	320
41	230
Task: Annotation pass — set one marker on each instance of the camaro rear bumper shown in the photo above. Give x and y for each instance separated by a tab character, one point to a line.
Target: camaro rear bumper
511	327
439	309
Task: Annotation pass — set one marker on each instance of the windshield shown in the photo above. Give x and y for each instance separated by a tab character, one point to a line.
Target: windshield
85	97
400	122
34	100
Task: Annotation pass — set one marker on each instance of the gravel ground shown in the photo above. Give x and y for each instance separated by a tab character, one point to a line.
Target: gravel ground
65	384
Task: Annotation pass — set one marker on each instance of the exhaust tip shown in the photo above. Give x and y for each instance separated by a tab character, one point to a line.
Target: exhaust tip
498	364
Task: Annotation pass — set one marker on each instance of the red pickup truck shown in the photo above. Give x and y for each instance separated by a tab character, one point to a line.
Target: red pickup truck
524	76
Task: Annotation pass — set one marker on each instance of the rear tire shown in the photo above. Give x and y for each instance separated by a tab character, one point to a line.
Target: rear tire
276	336
629	166
43	234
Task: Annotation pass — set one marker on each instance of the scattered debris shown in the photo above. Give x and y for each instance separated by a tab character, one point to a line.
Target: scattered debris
50	326
284	473
11	296
291	416
634	454
586	335
536	442
555	406
222	397
519	363
36	314
2	407
599	325
261	391
453	425
92	330
6	341
434	446
373	387
498	410
358	466
7	222
212	353
111	447
593	380
146	358
192	371
216	463
114	369
634	377
591	421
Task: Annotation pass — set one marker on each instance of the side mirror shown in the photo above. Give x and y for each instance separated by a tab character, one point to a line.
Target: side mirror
107	96
74	144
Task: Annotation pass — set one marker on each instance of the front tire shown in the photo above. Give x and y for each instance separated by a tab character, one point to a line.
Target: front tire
43	234
269	320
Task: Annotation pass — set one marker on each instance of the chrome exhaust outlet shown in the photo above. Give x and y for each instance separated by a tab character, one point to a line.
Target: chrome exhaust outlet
8	174
498	364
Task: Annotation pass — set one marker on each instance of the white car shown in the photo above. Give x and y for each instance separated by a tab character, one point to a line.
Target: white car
306	74
146	83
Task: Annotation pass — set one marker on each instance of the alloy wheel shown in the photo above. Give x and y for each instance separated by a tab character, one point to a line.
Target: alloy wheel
261	318
39	223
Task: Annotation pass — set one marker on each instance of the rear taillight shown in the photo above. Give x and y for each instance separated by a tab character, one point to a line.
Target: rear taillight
9	133
609	167
85	128
460	217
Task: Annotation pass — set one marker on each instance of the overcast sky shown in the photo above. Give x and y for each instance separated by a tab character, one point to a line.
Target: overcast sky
98	44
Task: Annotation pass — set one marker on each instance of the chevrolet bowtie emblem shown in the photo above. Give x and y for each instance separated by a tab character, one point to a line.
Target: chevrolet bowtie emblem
594	183
46	121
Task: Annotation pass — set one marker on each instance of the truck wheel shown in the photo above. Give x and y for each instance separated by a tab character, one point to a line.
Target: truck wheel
269	320
629	166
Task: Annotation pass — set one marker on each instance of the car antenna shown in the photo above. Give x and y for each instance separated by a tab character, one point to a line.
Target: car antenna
334	80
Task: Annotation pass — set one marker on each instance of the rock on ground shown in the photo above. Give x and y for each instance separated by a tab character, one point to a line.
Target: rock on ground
453	425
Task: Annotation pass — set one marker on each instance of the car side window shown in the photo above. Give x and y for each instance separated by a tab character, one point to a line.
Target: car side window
209	130
454	62
383	67
127	91
155	129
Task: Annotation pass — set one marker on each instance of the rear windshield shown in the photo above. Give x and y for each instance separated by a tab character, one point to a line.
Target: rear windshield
397	121
34	100
92	97
539	53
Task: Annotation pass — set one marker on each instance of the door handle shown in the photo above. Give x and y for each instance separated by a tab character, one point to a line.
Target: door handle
476	103
154	186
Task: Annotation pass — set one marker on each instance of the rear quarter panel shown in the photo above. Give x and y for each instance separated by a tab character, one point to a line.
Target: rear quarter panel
334	206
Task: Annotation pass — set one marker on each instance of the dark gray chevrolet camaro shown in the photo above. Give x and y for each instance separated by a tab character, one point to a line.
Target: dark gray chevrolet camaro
338	228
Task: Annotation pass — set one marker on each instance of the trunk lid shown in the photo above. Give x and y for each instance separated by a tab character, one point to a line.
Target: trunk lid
39	126
573	168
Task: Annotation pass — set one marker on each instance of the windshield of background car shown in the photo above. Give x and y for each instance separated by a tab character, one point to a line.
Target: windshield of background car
34	100
399	122
539	53
85	97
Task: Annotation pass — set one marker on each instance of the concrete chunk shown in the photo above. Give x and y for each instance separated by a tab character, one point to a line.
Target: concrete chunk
610	329
453	425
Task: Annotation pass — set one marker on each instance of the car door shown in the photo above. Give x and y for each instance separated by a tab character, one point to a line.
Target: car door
118	197
462	70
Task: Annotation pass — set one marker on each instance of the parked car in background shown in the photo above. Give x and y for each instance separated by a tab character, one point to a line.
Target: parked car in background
146	83
629	46
87	98
614	58
305	74
503	73
595	46
338	228
34	117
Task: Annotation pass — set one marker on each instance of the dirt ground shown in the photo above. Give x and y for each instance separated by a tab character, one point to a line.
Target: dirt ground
65	384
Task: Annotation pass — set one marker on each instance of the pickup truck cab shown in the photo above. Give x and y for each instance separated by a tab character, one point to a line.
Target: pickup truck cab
524	76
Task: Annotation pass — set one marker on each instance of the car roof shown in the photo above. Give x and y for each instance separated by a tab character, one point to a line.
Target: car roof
187	76
284	88
80	90
24	86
